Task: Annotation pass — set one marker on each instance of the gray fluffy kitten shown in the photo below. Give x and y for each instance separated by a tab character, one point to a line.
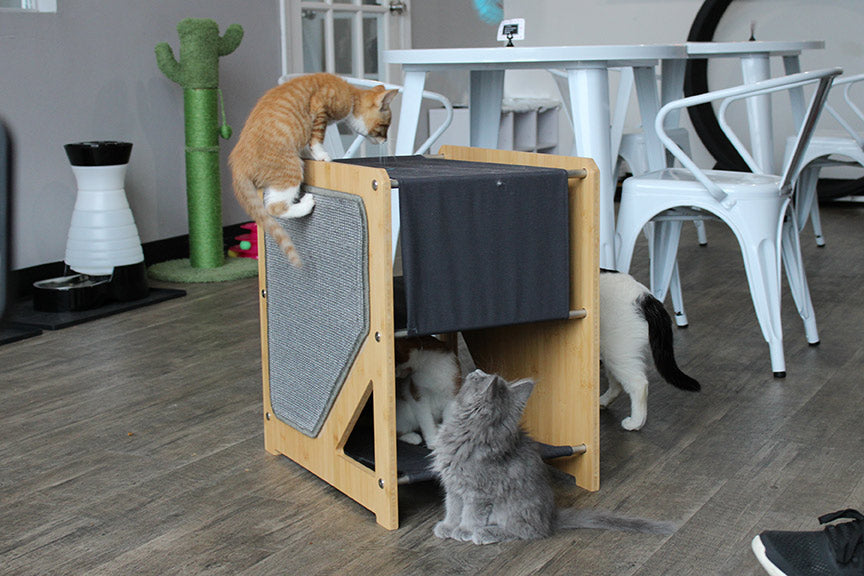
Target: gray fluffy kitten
496	485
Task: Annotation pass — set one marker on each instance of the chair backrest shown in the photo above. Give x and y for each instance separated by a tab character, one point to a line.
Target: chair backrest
333	143
847	82
822	78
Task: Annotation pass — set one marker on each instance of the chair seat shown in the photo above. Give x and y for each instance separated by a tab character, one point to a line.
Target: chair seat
678	181
829	145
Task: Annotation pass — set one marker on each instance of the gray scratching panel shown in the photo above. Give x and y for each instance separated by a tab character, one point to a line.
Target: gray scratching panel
317	315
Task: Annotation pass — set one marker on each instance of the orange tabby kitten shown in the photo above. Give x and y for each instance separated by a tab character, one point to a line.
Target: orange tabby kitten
285	121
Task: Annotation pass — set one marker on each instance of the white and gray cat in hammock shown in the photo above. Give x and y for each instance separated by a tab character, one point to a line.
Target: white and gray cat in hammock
632	321
496	485
427	379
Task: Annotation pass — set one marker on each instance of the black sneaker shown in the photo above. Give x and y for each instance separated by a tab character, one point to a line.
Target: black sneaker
836	550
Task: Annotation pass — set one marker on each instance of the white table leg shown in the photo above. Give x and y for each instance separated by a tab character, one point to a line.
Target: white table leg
487	89
649	105
589	100
754	68
409	115
672	72
796	95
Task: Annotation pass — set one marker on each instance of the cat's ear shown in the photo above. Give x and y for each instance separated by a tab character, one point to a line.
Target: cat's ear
521	390
489	382
385	99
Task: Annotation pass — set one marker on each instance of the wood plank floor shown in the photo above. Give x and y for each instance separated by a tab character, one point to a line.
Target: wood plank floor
133	444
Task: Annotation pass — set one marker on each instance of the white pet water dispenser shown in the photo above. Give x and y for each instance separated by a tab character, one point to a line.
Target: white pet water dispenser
103	248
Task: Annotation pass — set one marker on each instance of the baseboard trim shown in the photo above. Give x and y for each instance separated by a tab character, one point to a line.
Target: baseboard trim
21	280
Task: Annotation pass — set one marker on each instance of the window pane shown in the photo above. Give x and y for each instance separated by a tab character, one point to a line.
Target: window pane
342	40
370	46
313	41
371	2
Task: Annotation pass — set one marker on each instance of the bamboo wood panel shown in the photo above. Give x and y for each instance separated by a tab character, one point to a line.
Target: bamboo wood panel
562	356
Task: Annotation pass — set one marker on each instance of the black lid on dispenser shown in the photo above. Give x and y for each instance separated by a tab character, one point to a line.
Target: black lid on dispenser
100	153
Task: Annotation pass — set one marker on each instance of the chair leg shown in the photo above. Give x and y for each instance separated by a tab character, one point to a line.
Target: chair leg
762	264
664	266
806	203
625	243
677	298
793	262
701	235
816	222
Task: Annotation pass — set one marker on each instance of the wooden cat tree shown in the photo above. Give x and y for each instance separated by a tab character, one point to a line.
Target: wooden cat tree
562	355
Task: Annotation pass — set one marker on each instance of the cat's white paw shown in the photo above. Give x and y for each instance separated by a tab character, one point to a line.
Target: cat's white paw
630	423
411	438
301	208
318	153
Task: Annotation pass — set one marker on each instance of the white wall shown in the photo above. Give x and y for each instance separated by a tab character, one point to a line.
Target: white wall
89	72
449	24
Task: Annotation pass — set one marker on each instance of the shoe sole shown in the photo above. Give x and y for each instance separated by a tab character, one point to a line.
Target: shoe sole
759	551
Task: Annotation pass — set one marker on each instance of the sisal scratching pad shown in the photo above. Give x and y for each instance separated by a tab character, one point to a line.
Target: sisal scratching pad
181	270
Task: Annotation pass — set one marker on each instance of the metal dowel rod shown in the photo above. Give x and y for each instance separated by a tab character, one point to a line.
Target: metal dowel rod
579	173
572	315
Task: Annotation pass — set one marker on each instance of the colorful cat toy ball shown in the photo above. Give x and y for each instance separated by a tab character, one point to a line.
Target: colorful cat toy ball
197	71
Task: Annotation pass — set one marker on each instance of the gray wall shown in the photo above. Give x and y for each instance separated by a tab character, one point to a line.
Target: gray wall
88	72
449	24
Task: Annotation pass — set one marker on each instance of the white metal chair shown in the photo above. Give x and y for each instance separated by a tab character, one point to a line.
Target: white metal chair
754	205
824	151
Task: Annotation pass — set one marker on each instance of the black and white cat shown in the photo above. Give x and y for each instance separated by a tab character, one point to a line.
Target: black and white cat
427	379
632	321
496	485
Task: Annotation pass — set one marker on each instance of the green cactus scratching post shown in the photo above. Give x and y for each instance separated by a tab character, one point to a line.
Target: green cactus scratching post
197	72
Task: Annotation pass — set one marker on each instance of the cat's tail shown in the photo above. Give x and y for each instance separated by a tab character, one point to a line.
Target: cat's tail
247	194
660	339
572	518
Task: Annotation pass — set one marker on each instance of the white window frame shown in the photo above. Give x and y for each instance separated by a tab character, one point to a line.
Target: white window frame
291	13
34	6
